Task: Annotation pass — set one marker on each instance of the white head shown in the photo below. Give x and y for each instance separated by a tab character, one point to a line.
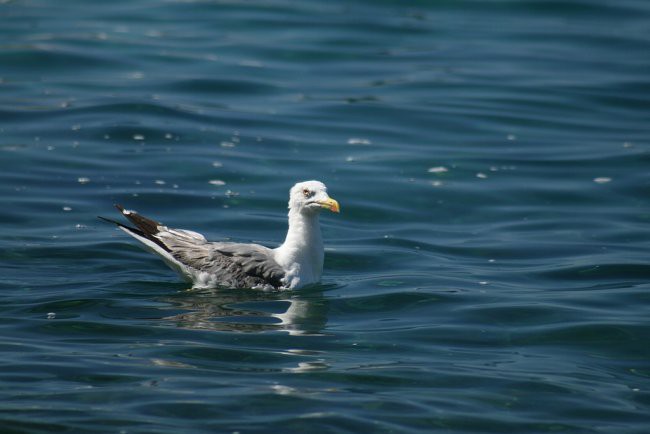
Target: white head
309	197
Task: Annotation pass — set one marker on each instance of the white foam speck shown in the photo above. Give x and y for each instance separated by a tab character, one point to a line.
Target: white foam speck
138	137
349	158
511	137
283	390
83	180
438	169
168	136
217	164
67	208
160	182
358	141
226	144
51	315
602	180
436	183
481	175
217	182
169	363
76	127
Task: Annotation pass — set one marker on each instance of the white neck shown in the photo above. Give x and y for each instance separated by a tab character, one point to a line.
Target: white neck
301	254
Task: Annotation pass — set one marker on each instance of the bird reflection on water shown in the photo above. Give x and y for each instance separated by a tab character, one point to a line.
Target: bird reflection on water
301	313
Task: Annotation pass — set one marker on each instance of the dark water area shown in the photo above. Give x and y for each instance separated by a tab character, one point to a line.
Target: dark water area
488	273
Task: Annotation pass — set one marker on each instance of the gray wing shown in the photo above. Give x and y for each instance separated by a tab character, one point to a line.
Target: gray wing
229	264
232	264
254	260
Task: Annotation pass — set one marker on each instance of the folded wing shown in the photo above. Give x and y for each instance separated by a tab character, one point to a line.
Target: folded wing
234	265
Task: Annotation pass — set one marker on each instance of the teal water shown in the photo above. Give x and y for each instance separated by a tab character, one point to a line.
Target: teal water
488	273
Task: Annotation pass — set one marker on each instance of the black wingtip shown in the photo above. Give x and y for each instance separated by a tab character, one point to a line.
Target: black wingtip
121	225
145	228
109	220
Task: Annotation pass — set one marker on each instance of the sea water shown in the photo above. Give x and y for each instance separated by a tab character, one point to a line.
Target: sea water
489	270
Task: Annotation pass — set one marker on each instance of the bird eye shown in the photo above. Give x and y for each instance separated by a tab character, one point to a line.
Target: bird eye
306	192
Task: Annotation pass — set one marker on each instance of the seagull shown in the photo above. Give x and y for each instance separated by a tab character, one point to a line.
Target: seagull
296	263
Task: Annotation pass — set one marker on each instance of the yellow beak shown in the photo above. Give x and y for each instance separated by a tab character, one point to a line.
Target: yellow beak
330	204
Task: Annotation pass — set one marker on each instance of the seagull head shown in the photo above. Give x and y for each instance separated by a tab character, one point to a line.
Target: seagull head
309	197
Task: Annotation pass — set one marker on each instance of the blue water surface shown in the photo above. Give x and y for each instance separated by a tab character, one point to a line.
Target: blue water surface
488	272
